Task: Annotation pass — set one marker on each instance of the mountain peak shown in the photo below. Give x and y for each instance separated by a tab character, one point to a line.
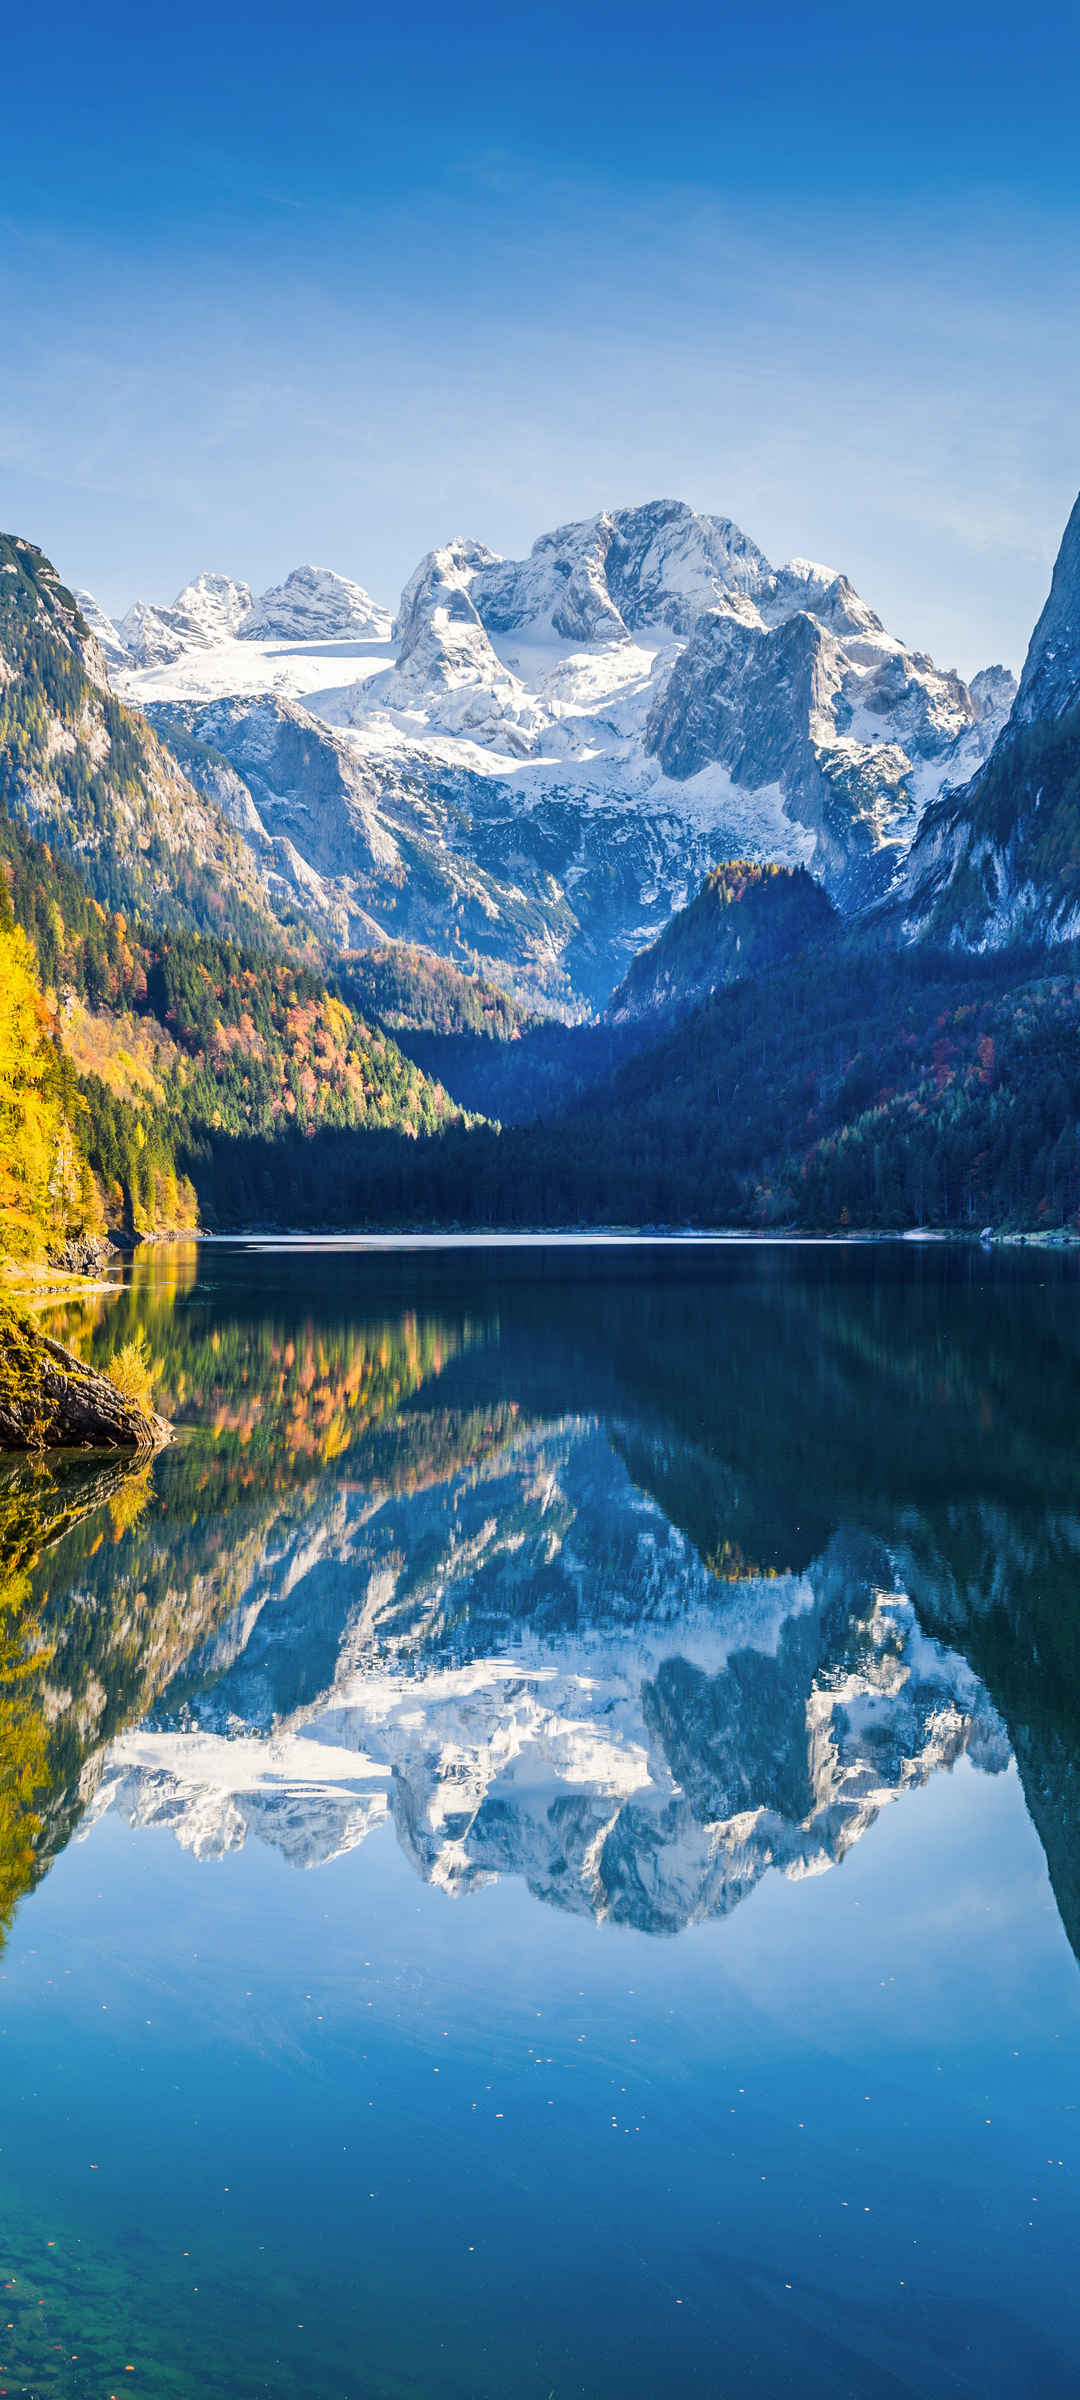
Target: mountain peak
1050	683
606	577
314	603
993	691
214	604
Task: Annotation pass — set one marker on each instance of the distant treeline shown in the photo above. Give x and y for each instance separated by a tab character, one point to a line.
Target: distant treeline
845	1088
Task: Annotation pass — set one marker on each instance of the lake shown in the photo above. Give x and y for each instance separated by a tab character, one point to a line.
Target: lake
540	1849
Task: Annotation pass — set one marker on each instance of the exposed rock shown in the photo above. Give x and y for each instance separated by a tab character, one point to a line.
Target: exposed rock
49	1399
84	1254
787	704
151	636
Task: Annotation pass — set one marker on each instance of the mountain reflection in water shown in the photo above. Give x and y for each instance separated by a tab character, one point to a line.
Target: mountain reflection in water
630	1573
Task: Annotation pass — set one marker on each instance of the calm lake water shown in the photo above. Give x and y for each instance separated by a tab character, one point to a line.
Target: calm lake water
540	1848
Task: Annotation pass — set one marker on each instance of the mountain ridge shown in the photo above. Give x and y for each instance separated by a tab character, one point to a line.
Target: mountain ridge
643	692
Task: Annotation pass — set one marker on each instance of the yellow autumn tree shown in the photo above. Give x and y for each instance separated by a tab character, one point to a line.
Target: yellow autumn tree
45	1186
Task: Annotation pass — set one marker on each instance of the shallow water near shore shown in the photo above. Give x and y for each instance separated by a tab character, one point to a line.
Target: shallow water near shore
541	1843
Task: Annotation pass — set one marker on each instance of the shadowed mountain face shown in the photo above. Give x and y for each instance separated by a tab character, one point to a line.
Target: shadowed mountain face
632	1574
997	861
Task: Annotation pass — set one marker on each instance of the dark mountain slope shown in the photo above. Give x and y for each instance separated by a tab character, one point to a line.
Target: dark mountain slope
998	863
743	919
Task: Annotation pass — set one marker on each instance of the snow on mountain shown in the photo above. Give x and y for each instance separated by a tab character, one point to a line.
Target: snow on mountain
579	735
313	604
618	573
215	604
533	1673
443	649
993	691
207	612
154	637
113	646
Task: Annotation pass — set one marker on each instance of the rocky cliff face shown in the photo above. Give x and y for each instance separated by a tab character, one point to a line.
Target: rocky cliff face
573	739
87	774
367	854
998	861
817	705
1050	683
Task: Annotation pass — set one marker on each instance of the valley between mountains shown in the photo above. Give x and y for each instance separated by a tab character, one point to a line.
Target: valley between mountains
636	881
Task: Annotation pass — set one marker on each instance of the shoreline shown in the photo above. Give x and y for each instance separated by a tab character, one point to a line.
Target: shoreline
643	1236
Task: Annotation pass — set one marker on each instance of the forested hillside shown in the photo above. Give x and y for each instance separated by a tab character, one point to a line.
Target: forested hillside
123	1053
406	989
45	1177
845	1090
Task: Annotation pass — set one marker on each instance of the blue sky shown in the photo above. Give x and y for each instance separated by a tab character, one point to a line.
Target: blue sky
278	286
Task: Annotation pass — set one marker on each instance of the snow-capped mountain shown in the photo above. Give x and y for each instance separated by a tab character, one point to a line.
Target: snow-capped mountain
574	738
314	605
208	611
528	1670
655	647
